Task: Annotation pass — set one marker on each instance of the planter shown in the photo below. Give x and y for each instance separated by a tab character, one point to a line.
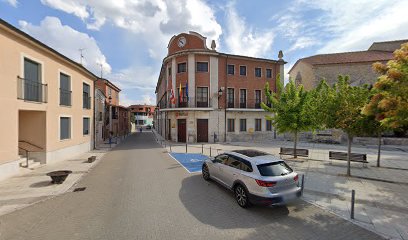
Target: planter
91	159
58	177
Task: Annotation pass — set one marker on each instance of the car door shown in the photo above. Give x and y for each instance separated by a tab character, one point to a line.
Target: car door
230	170
218	162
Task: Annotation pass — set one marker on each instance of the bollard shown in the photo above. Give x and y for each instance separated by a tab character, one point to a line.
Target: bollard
303	185
186	147
210	151
170	146
202	148
164	144
353	194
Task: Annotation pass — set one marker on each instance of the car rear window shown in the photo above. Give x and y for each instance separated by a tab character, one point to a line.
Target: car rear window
274	169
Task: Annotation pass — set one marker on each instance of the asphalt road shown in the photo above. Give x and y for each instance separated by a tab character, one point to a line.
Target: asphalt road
138	192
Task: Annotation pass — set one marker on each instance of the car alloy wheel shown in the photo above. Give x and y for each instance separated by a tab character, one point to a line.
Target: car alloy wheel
206	173
241	196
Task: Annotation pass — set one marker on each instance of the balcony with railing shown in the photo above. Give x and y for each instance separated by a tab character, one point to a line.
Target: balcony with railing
33	91
186	103
86	101
65	97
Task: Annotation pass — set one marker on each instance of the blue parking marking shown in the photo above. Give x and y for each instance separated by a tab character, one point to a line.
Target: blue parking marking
192	162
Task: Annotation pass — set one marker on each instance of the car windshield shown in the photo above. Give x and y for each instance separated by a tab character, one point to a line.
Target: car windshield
274	169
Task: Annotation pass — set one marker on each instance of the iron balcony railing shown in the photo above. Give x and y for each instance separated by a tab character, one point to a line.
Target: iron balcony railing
65	97
86	101
31	90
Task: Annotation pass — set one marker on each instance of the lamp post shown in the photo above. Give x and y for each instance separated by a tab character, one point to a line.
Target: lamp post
220	91
110	115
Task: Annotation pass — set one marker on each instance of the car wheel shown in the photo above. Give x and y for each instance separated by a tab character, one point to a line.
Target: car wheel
241	195
206	173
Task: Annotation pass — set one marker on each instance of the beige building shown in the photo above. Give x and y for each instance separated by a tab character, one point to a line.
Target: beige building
47	103
311	70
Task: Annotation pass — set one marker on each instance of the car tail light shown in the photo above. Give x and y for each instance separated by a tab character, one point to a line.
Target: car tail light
265	183
296	178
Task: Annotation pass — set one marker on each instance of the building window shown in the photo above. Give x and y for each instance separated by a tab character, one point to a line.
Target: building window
202	96
169	71
230	97
268	125
65	90
268	73
258	99
65	128
242	125
242	98
86	96
258	124
202	67
230	69
181	67
85	129
242	70
33	90
258	72
231	125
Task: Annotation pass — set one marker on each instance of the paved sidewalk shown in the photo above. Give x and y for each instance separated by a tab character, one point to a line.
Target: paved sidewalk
32	186
381	193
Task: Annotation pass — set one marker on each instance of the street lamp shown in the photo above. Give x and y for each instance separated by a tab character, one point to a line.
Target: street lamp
110	115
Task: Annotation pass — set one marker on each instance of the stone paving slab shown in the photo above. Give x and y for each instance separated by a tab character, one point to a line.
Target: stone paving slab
33	186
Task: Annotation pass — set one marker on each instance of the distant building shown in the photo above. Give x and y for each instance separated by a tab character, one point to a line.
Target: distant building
117	118
47	111
207	96
311	70
143	114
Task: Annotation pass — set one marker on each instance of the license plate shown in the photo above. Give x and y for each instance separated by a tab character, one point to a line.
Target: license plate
289	197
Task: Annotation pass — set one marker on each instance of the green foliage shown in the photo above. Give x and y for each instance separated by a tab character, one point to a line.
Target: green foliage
389	104
290	106
340	106
132	117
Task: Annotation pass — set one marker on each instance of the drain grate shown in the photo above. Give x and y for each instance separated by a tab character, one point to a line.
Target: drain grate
80	189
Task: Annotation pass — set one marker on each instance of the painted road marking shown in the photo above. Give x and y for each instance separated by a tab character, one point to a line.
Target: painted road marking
192	162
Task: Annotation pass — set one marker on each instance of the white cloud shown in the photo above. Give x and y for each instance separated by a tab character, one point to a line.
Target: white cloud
13	3
301	43
154	22
387	23
68	41
243	39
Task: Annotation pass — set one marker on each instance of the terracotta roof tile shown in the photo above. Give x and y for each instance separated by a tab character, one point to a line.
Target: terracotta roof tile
348	57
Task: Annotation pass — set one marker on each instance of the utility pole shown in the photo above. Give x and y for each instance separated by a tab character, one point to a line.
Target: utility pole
100	64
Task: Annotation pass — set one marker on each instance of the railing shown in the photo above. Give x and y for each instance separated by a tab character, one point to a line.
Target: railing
65	97
31	90
86	102
29	148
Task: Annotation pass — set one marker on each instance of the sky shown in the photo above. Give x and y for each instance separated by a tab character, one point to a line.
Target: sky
127	39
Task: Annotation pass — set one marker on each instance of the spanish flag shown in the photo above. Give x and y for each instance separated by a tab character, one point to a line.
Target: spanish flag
180	94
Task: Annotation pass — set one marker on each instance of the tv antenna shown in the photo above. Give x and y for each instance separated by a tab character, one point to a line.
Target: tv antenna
100	64
81	55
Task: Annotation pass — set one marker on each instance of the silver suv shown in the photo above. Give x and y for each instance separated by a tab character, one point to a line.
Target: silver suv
255	177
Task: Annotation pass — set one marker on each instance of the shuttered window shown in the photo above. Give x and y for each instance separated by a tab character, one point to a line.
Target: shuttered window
85	126
65	128
65	90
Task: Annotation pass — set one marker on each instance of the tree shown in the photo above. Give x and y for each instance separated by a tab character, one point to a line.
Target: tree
390	104
341	107
289	106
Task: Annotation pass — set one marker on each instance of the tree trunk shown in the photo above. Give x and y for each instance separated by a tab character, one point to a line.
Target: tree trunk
379	150
350	139
295	145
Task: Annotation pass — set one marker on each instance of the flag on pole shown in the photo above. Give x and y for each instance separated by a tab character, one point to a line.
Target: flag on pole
187	90
180	94
172	98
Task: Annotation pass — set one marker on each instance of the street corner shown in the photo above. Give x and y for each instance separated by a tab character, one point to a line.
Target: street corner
192	162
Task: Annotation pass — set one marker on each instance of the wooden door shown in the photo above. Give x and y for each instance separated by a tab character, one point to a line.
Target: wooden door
181	130
202	130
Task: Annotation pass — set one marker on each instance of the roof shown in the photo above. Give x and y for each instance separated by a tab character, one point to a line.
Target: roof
255	156
346	57
109	83
32	39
